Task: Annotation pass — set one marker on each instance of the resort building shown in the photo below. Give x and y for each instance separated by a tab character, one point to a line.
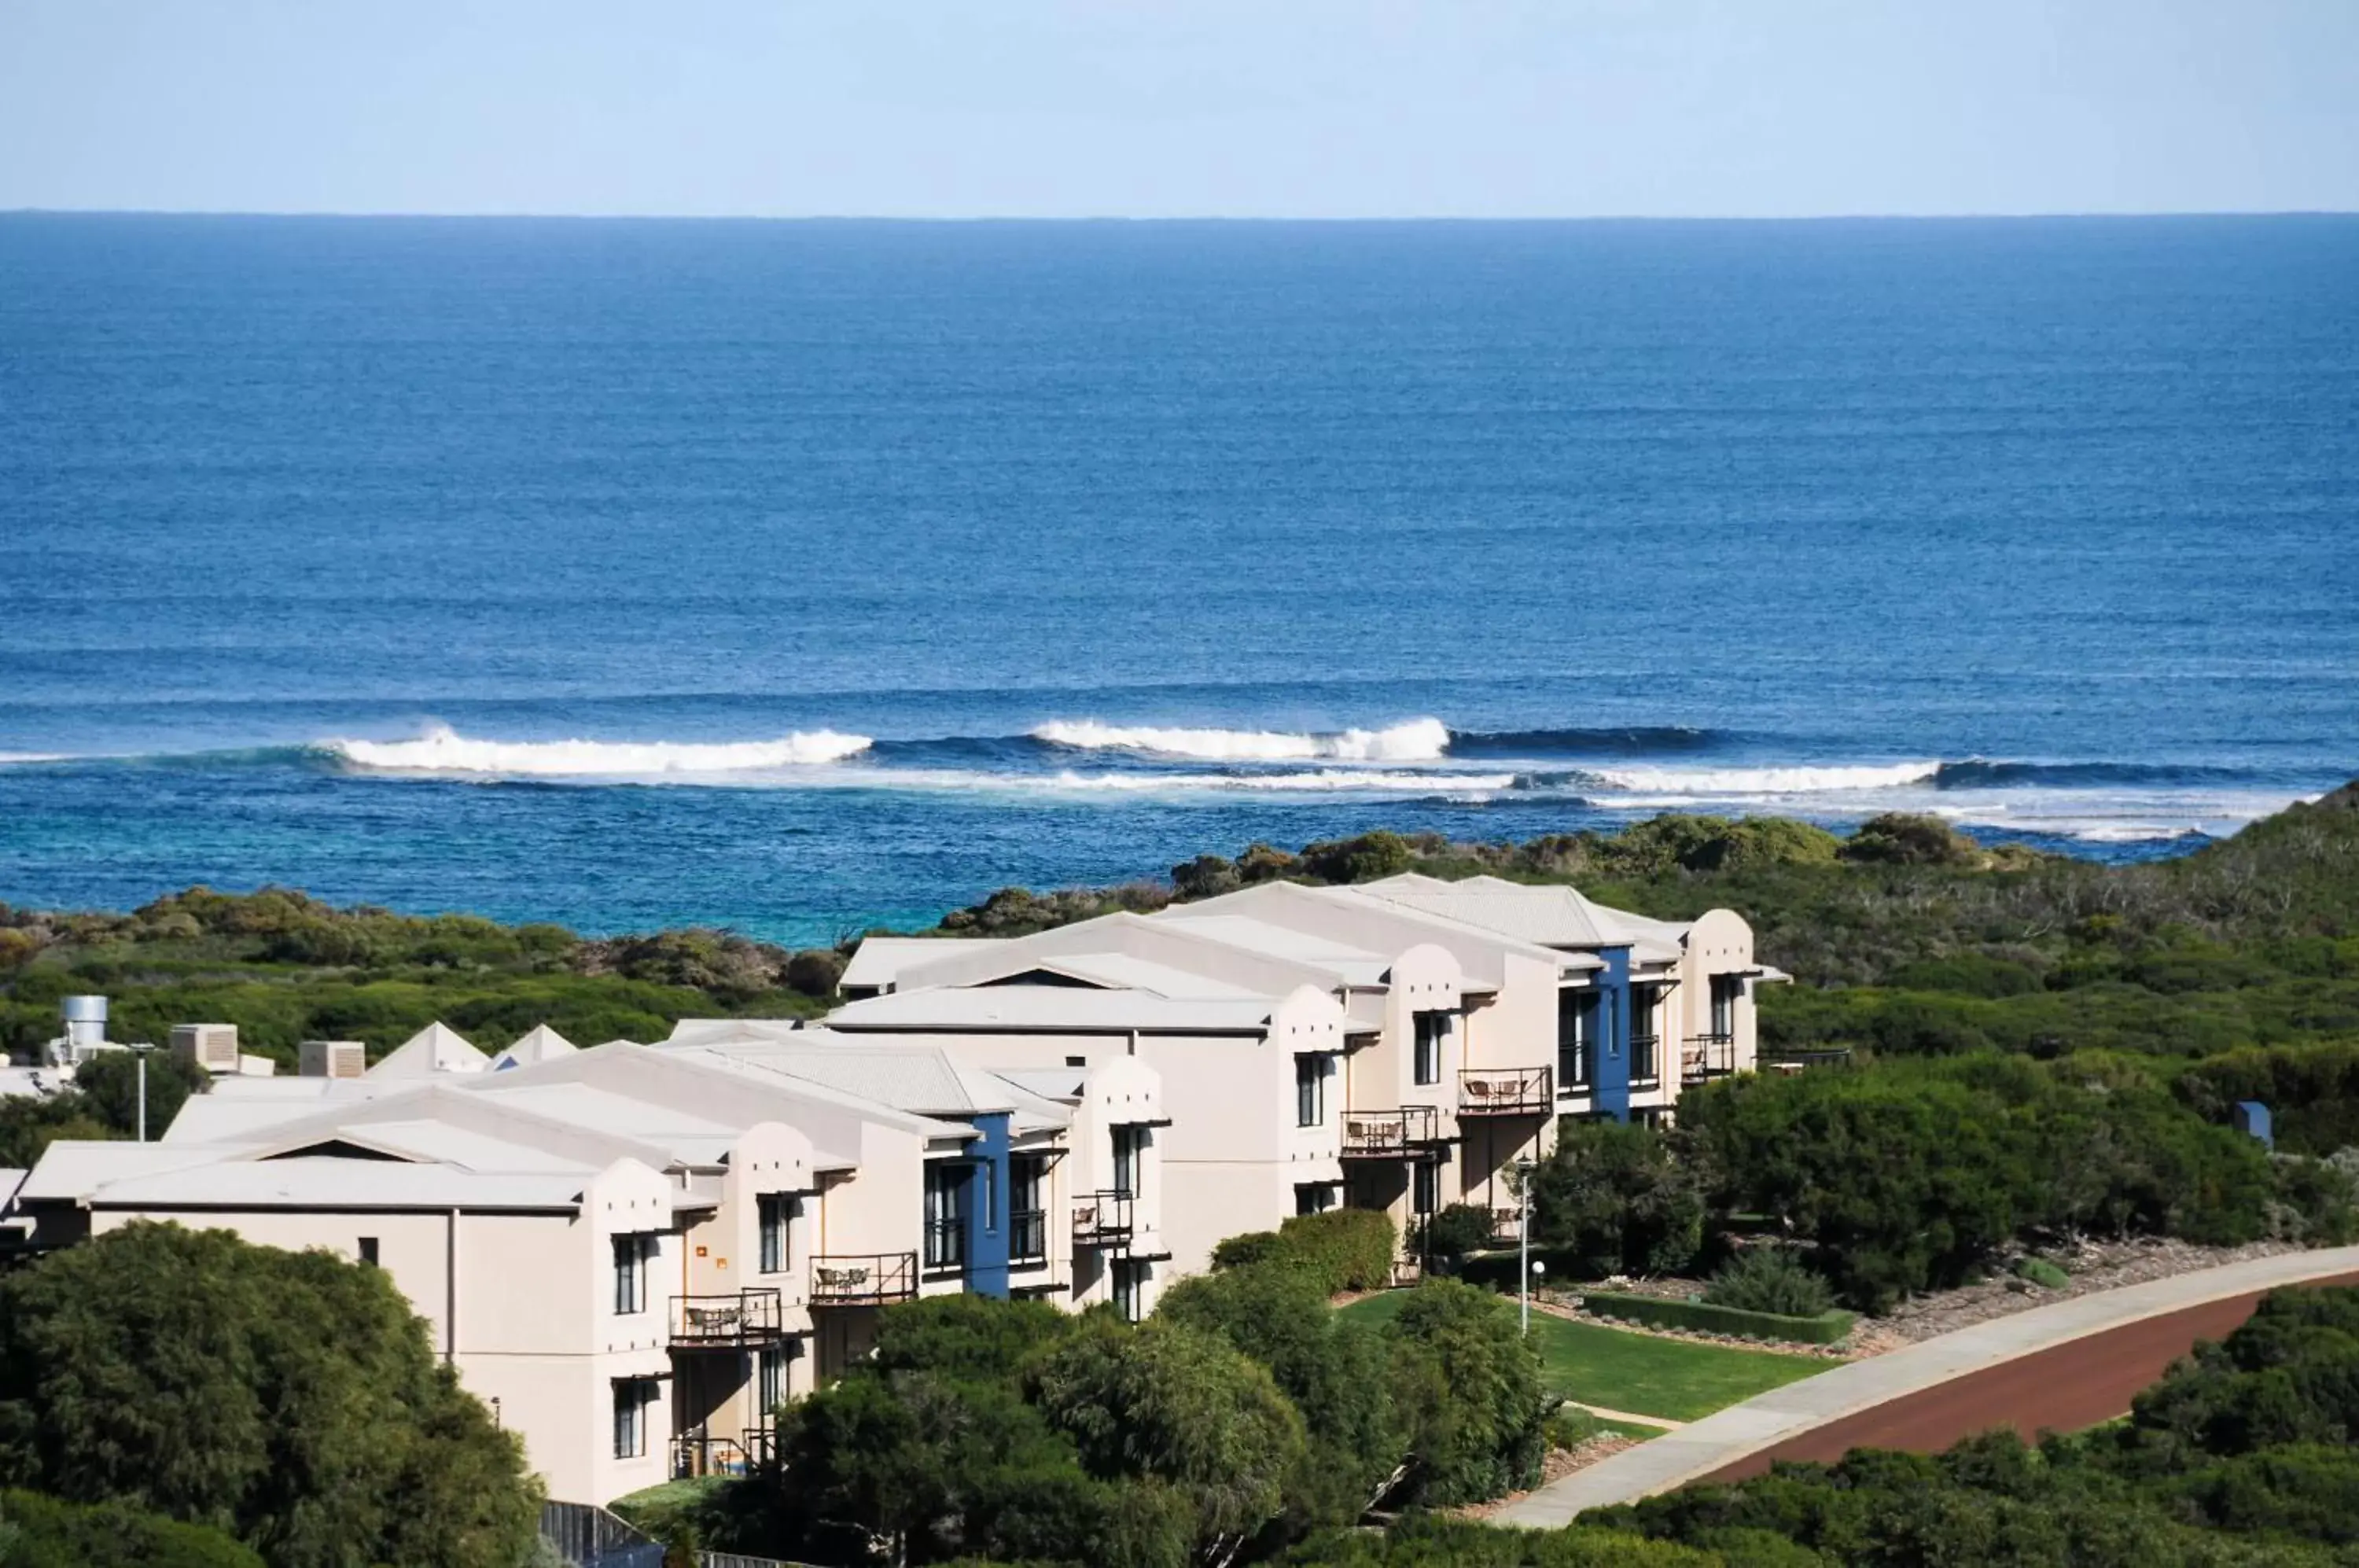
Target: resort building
633	1254
1400	1044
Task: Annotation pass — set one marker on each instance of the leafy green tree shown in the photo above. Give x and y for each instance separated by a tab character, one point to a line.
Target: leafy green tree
290	1398
110	1081
1615	1196
1181	1408
1466	1384
1333	1368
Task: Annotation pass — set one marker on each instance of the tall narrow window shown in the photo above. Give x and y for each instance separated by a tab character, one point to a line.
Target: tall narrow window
1432	1028
1643	999
777	1211
1125	1288
369	1250
632	1396
1310	1091
1576	1038
1027	1223
771	1385
946	1185
1725	989
631	1274
1126	1143
1425	1194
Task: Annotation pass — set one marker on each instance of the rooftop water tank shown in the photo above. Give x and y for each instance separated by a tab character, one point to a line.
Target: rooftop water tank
85	1021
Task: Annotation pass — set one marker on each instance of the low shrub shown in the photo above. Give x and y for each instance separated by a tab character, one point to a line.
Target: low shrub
1770	1279
1704	1317
1449	1236
1343	1249
2042	1273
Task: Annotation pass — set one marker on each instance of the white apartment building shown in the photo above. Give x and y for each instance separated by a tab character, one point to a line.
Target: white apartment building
633	1254
1400	1044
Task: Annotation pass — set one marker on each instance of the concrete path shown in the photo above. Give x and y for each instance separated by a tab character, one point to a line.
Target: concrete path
1909	1395
1665	1423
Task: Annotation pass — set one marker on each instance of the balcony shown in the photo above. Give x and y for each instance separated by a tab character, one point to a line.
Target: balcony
1390	1135
1708	1056
1506	1092
1027	1238
1102	1219
761	1446
748	1317
1506	1224
694	1455
863	1280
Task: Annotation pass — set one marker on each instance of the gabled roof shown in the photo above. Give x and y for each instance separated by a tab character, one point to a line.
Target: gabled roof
1051	1008
1552	915
437	1048
879	959
909	1077
326	1182
541	1045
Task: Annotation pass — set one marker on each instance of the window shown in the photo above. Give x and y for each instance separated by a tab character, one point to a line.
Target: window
1432	1028
1127	1142
1643	1000
631	1274
776	1211
945	1215
770	1384
1425	1187
1725	989
1127	1279
1310	1091
986	1179
369	1250
1314	1198
1576	1038
1027	1222
632	1396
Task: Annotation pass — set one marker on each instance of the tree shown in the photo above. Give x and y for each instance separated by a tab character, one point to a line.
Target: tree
290	1398
110	1082
1171	1404
1467	1385
1332	1367
36	1531
1613	1195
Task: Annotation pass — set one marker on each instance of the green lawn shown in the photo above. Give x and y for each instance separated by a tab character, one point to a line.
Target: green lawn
1645	1374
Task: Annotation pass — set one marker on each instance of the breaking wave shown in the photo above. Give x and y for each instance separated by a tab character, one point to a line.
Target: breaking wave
443	750
1766	780
1419	740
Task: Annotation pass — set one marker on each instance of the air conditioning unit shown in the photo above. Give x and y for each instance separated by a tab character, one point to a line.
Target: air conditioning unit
332	1059
212	1047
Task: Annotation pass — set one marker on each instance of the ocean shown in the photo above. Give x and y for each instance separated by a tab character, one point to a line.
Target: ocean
805	577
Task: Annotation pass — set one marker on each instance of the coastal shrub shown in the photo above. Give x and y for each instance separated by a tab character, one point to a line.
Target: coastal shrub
1365	858
2042	1273
37	1532
1467	1385
1343	1249
1615	1198
1770	1279
1706	1317
1249	1248
290	1398
1898	838
1448	1235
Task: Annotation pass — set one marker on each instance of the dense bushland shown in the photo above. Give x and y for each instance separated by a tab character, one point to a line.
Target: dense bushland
287	1400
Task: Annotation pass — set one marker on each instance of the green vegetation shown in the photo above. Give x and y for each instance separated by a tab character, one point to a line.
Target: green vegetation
1644	1374
289	1399
1704	1317
1769	1279
1343	1249
44	1533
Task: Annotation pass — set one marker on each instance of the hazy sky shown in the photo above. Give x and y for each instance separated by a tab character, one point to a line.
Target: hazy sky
1268	108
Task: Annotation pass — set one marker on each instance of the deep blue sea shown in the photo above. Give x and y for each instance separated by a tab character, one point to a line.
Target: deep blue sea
799	577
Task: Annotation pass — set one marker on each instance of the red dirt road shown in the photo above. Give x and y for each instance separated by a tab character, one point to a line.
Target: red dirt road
2060	1390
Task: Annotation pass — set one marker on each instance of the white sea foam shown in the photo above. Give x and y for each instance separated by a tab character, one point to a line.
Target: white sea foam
9	758
1419	740
443	750
1326	780
1688	782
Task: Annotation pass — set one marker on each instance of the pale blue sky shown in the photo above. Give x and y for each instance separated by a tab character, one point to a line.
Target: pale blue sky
1219	107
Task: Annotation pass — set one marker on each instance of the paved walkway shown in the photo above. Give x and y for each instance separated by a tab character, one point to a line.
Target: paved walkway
2032	1369
1665	1423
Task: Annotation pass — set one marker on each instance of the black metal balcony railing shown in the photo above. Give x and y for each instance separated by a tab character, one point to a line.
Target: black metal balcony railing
761	1446
747	1317
1102	1219
863	1280
1708	1056
1507	1091
1390	1135
1645	1058
694	1455
1028	1237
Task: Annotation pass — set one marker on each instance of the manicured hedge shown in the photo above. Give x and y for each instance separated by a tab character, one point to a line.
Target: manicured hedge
1660	1311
